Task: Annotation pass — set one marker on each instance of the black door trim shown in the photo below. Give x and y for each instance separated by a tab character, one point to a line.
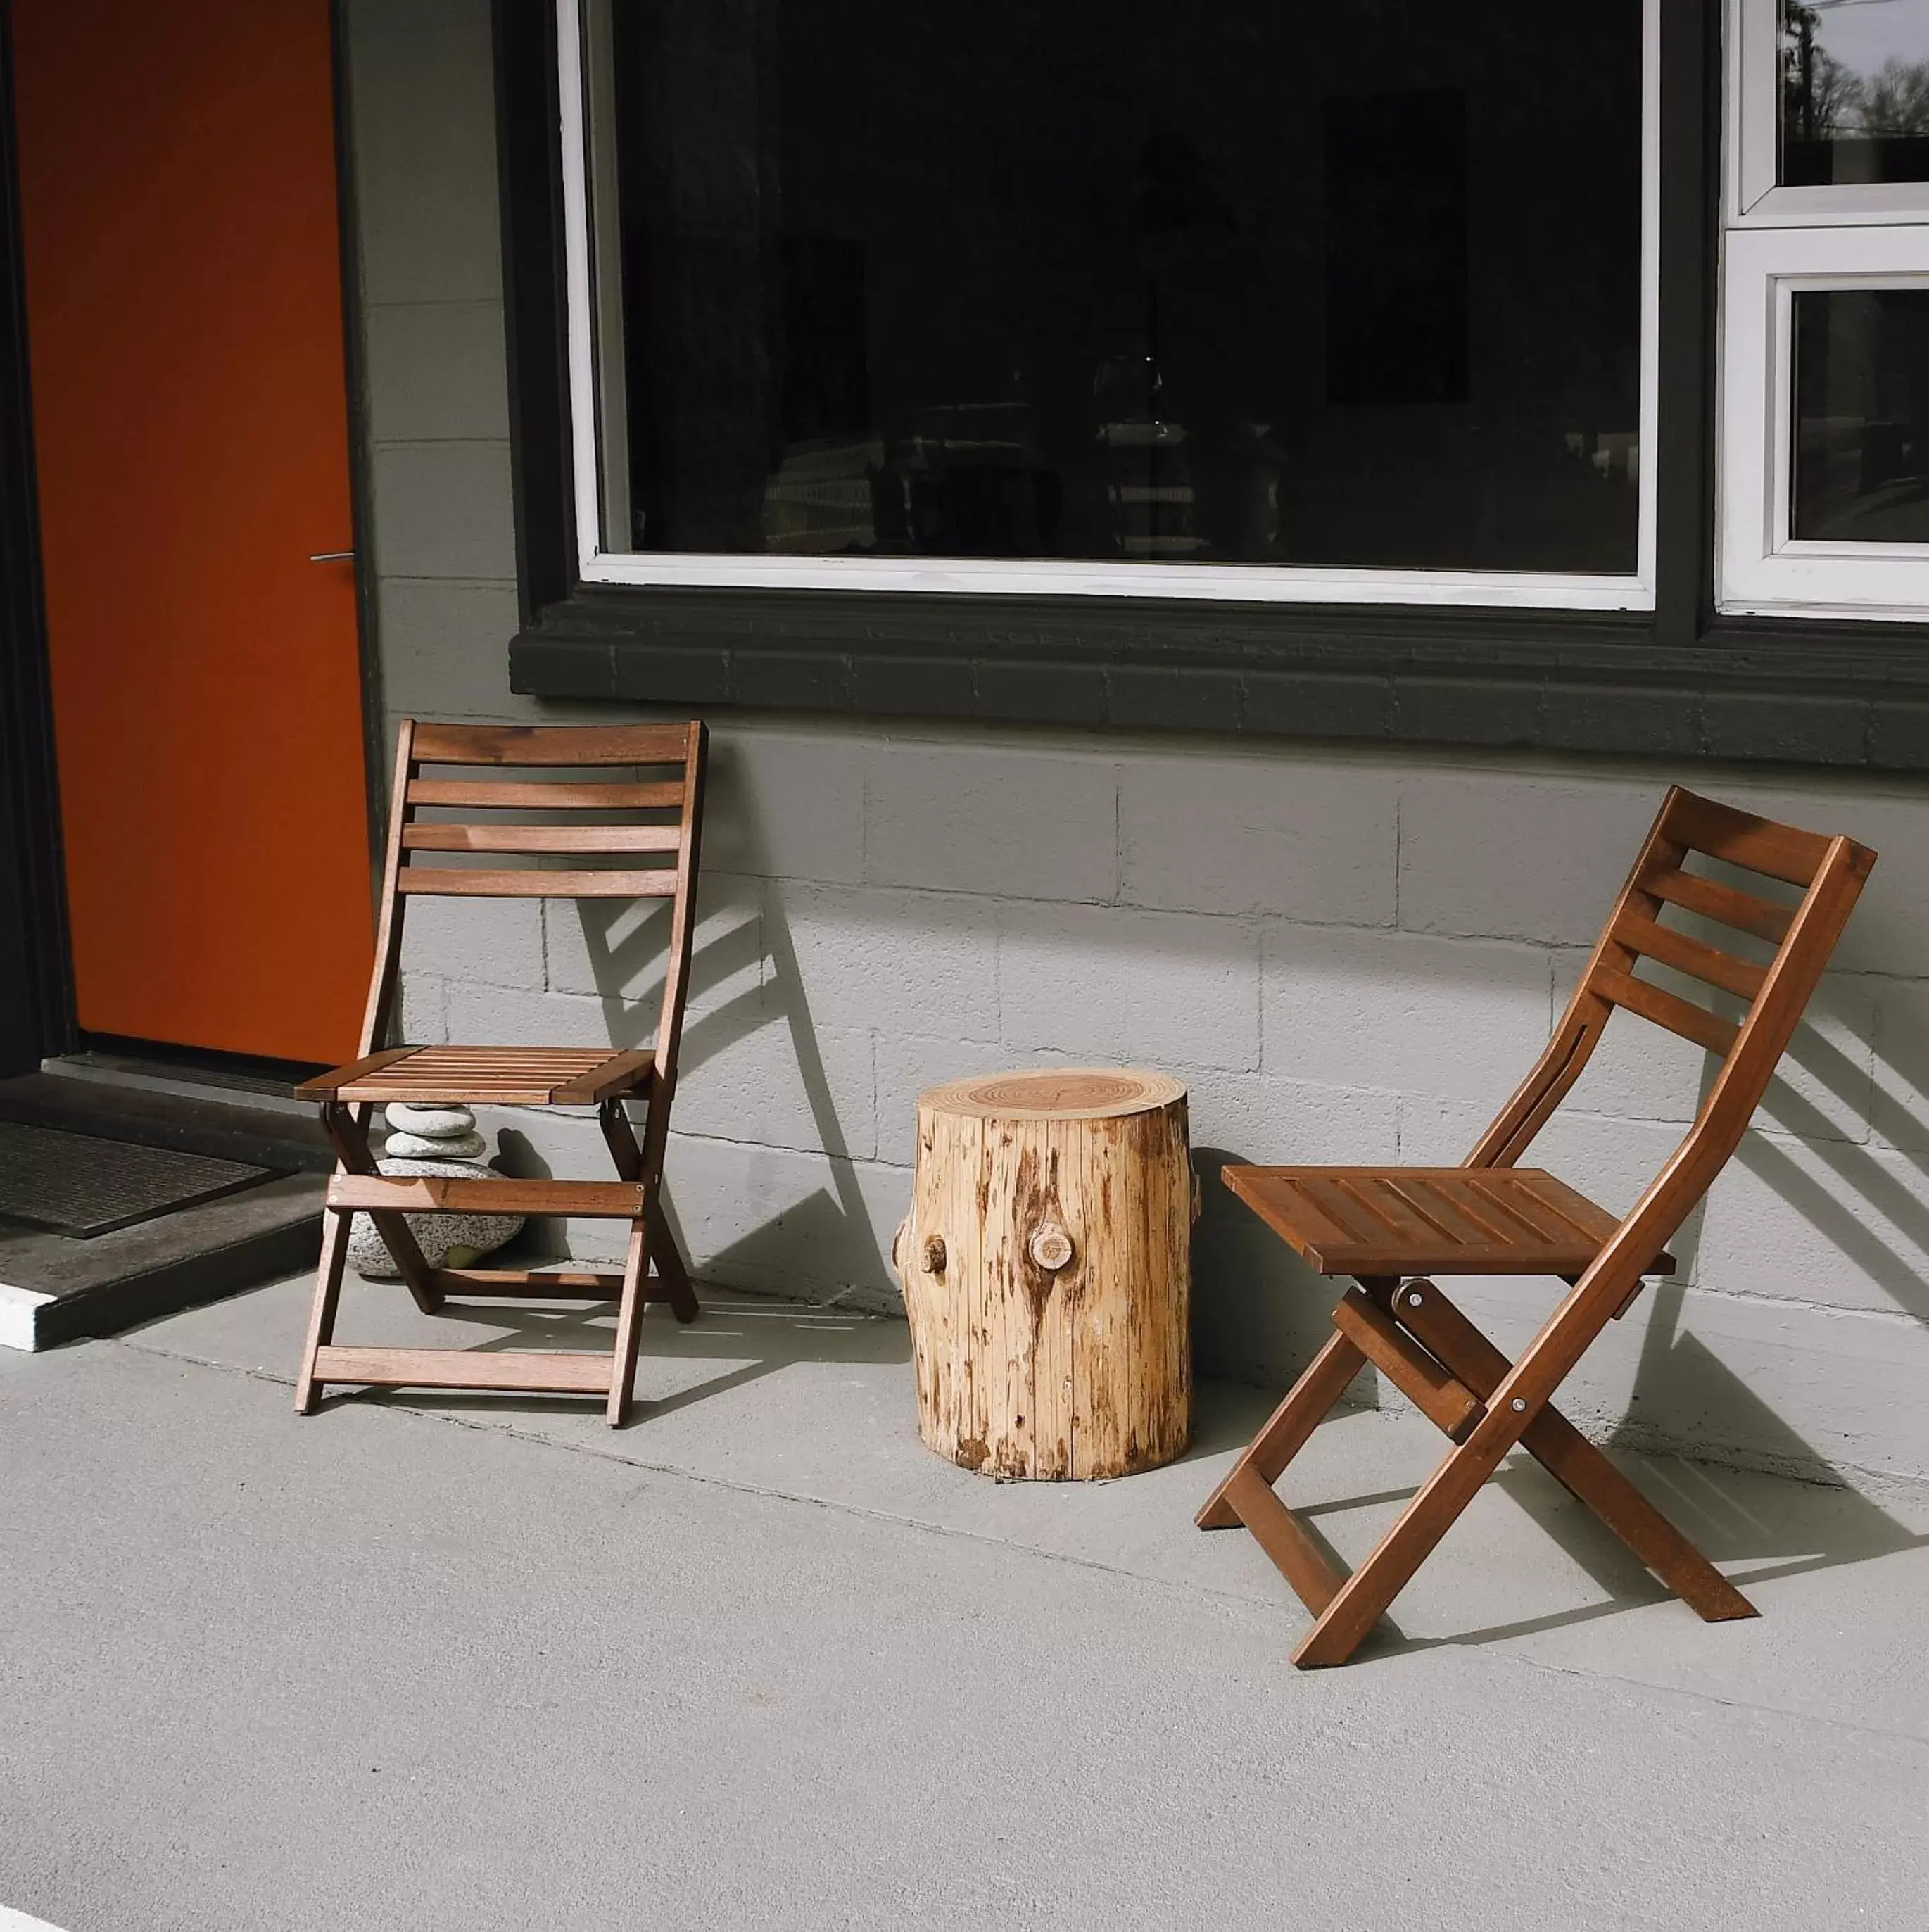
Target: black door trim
37	1016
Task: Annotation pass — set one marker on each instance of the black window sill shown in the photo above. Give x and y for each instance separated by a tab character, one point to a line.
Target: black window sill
1829	693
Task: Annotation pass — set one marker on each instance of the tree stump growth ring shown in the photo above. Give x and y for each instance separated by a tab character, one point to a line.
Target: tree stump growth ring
1046	1269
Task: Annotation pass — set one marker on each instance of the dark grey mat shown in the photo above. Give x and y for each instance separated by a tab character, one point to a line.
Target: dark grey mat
78	1185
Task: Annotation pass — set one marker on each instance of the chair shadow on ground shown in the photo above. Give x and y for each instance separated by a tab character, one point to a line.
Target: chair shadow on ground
735	1340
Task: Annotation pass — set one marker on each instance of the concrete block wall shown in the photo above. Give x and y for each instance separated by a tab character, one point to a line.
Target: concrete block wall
1347	956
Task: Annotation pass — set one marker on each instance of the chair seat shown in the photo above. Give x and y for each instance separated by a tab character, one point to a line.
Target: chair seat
1430	1220
502	1076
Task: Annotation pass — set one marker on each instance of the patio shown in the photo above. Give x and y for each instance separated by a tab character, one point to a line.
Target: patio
761	1659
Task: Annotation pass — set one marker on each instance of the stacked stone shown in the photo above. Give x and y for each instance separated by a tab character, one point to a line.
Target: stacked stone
433	1140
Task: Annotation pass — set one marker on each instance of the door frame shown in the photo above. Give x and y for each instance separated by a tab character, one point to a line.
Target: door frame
38	1016
37	1011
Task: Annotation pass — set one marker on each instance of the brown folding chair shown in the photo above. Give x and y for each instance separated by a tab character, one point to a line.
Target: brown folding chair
661	817
1393	1229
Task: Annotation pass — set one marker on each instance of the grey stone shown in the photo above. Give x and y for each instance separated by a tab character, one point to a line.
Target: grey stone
470	1146
446	1240
432	1122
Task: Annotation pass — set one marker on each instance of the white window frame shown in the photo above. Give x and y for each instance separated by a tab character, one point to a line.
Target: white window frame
1752	153
1069	577
1777	241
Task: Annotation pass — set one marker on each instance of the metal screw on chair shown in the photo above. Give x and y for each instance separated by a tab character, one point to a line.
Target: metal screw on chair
1518	1405
1413	1300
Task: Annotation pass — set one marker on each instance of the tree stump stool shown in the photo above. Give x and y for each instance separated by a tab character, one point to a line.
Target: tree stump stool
1046	1269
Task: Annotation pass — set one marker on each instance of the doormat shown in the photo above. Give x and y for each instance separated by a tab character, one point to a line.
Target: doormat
76	1184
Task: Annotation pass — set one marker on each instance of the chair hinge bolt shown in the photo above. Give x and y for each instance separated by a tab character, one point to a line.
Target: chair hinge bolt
1413	1300
1518	1405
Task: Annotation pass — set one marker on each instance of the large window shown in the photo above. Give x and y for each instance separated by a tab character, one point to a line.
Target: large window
1825	350
1257	300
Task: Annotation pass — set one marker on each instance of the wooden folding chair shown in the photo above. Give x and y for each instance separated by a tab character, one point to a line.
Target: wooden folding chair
661	817
1392	1229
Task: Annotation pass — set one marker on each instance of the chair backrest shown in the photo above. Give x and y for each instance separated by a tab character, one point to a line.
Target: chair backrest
640	804
1829	872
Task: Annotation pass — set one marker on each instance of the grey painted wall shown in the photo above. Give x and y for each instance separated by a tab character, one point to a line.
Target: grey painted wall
1348	956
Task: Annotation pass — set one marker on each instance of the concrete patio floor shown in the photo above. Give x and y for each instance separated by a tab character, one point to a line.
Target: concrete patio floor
761	1660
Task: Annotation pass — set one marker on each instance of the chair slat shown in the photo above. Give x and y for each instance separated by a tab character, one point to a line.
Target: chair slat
621	1073
1727	905
1784	852
1357	1224
1380	1211
1323	1231
1509	1207
559	745
1322	1213
324	1087
432	881
1426	1214
542	795
441	1194
536	1371
542	837
1437	1212
1569	1208
1678	1015
527	1284
1451	1206
1707	963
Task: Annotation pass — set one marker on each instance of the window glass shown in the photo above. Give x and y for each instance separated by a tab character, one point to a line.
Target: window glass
1854	91
1261	282
1861	415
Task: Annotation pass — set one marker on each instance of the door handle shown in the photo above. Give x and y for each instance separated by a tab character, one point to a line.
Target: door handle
332	556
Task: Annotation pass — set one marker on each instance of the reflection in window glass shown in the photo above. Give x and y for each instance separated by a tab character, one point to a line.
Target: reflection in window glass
1862	415
1854	91
1259	282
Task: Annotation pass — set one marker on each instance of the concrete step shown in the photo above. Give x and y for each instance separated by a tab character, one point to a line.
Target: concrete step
54	1288
229	1124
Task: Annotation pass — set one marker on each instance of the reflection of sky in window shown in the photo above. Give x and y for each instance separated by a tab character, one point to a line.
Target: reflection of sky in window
1864	34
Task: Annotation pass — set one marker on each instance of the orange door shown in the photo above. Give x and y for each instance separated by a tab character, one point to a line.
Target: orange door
185	323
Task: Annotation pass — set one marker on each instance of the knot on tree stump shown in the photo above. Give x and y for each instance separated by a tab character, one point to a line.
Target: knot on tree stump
1052	1247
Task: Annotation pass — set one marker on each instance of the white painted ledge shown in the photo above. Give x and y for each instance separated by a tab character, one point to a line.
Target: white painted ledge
17	1324
18	1921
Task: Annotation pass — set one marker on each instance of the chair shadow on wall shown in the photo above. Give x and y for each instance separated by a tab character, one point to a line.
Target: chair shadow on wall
625	942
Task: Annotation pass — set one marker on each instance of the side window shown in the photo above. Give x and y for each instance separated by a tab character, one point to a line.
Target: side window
1824	484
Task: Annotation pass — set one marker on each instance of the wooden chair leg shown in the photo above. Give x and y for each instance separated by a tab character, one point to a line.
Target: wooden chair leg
620	1137
1366	1594
1287	1429
1574	1461
322	1319
669	1263
629	1320
348	1129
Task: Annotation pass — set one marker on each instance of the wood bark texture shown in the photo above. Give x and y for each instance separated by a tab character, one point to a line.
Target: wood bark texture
1046	1264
